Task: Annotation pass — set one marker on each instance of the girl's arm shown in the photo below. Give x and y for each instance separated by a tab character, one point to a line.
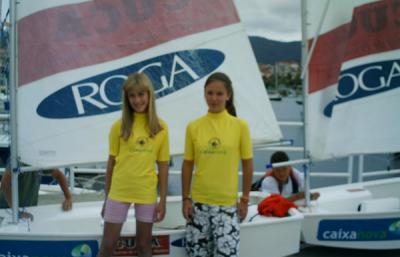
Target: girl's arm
108	178
187	171
247	166
109	172
163	167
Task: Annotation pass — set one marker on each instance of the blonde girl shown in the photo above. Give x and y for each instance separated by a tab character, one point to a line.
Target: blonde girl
137	141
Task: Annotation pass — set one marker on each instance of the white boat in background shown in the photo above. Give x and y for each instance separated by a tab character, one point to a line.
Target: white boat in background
358	216
72	95
274	96
352	103
56	233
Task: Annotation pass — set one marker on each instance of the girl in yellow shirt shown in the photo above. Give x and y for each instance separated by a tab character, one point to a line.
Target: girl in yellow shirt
137	140
214	145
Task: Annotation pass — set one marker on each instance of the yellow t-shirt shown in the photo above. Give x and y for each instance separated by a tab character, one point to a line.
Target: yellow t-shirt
217	142
134	177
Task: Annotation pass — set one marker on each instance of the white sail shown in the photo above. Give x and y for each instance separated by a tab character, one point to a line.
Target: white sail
75	55
354	78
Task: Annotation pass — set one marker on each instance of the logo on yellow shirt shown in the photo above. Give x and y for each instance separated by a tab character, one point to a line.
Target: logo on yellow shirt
142	141
141	145
214	147
214	143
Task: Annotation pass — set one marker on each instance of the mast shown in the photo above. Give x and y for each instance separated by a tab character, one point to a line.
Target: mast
13	110
276	77
304	68
306	57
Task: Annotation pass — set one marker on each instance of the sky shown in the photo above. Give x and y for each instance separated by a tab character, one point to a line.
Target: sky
273	19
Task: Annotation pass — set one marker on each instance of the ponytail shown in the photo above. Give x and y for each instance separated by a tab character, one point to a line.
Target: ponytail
230	107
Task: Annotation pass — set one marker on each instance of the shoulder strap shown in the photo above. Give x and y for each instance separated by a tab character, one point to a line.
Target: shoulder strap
295	183
257	184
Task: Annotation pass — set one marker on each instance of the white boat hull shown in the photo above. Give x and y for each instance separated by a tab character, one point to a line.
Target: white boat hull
79	233
359	216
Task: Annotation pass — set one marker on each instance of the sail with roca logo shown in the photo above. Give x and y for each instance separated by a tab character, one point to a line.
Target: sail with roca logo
75	55
353	77
352	104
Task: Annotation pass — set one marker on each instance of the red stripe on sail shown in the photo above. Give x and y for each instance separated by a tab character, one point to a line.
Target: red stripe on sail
324	66
374	28
78	35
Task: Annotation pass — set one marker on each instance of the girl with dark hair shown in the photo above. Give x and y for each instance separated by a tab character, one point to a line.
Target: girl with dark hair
214	145
222	77
137	141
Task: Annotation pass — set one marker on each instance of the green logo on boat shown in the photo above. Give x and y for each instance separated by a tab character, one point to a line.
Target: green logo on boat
83	250
395	227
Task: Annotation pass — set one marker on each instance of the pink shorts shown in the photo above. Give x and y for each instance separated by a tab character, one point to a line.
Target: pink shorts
116	211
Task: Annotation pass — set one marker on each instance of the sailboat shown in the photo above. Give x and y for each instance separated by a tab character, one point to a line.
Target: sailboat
274	94
73	56
352	105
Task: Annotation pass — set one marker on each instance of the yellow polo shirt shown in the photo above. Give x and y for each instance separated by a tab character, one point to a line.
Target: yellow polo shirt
134	177
217	142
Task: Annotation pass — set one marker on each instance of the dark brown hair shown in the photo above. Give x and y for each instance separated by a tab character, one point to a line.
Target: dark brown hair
219	76
279	156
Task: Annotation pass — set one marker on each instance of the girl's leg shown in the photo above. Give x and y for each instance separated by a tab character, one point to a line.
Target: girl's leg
111	235
145	215
226	230
115	213
144	238
199	241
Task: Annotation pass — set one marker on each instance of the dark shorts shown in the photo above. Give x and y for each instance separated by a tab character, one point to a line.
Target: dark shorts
28	186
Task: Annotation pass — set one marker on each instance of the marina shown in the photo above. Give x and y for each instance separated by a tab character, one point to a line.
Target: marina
63	101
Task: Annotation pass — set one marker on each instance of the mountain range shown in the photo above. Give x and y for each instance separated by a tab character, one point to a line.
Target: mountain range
269	51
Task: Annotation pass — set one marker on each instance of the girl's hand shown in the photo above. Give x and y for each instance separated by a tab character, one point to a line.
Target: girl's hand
243	207
187	209
160	211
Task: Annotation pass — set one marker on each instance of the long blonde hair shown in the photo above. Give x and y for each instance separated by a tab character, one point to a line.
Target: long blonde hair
138	82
